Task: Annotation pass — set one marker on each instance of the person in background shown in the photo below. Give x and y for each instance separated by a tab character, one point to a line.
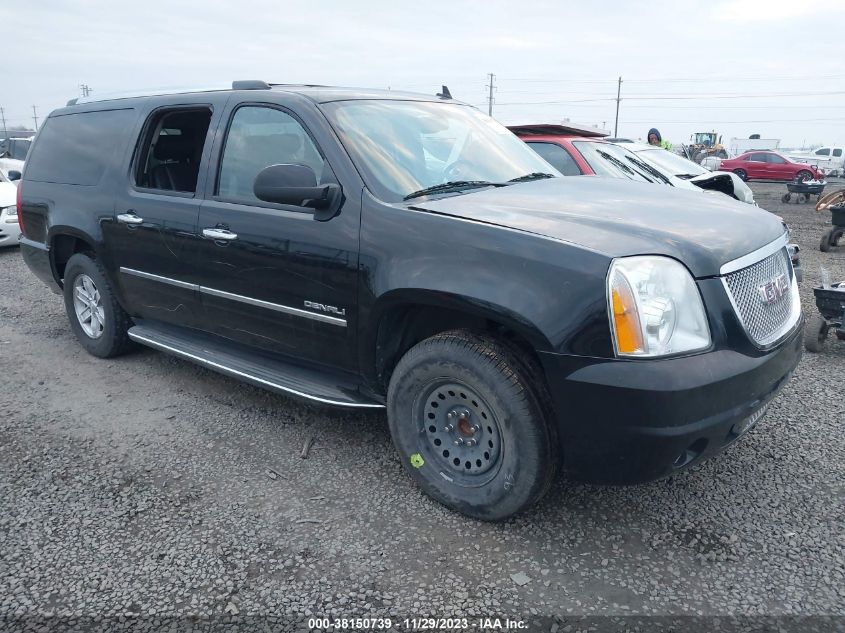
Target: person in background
654	138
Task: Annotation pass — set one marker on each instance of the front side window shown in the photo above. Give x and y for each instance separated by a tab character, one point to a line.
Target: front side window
402	147
774	158
172	151
557	157
261	136
837	152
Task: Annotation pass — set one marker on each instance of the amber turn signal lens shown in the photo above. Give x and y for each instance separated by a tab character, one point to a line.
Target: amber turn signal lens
629	335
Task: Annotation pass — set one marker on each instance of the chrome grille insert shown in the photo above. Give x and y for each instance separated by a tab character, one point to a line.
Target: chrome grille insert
765	297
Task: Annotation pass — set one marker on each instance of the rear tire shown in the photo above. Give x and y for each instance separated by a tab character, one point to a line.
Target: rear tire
803	175
472	425
815	333
96	318
743	175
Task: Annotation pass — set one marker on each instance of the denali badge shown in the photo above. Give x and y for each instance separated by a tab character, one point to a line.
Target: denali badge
324	308
773	290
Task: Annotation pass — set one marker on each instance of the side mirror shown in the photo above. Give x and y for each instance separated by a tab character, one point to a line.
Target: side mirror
297	185
14	174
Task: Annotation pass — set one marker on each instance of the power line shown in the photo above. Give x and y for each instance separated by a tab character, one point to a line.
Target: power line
578	80
680	98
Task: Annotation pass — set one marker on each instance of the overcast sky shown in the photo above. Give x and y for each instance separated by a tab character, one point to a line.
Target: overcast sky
771	67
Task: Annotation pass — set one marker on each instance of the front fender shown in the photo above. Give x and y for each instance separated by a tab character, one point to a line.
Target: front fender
551	293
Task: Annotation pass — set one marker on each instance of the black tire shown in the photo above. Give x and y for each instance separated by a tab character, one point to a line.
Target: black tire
824	244
840	334
482	382
803	175
815	333
113	339
785	198
743	175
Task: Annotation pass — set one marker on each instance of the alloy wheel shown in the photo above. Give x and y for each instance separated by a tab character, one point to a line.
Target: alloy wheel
88	306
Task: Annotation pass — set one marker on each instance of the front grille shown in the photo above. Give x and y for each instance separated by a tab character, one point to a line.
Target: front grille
765	320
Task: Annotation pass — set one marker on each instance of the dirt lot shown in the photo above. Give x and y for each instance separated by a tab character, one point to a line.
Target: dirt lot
147	487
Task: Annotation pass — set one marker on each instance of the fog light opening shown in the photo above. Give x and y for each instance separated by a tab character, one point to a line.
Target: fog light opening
691	453
743	426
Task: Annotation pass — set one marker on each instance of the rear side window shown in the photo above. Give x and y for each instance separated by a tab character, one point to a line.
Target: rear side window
557	157
74	149
172	151
824	151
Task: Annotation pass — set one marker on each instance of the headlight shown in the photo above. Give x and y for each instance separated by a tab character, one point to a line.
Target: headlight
655	308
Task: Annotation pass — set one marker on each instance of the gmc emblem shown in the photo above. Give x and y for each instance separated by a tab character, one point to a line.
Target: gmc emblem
773	290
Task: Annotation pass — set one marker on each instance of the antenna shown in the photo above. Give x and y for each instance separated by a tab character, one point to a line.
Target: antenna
444	93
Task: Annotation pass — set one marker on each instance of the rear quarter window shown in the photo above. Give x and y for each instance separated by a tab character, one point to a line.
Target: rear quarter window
75	149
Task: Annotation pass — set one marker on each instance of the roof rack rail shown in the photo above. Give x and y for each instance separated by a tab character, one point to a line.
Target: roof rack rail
250	84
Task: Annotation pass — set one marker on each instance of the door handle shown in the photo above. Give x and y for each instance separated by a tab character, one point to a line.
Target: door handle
129	218
219	234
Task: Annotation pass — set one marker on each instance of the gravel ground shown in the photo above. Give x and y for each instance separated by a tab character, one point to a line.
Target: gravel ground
144	487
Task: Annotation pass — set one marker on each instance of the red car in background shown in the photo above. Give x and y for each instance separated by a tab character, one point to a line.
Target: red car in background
768	165
576	152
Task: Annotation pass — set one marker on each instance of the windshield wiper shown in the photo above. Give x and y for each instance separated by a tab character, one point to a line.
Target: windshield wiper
454	185
649	169
534	175
621	165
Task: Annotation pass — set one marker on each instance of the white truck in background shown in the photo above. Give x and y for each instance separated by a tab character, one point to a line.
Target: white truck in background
739	146
830	158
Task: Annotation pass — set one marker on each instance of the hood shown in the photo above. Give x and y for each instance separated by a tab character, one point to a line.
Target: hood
8	194
620	217
727	182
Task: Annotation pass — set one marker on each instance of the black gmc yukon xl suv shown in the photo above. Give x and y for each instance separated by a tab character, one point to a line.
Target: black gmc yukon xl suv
381	250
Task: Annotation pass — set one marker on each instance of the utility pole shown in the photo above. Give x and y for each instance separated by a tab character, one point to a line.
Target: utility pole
3	116
86	90
490	98
35	117
618	99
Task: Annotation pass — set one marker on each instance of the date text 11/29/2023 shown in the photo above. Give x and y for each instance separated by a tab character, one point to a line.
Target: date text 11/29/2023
417	624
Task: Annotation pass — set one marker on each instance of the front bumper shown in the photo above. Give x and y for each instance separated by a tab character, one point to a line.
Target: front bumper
630	421
9	230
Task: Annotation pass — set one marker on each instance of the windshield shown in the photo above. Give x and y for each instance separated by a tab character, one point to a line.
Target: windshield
671	163
402	147
612	161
